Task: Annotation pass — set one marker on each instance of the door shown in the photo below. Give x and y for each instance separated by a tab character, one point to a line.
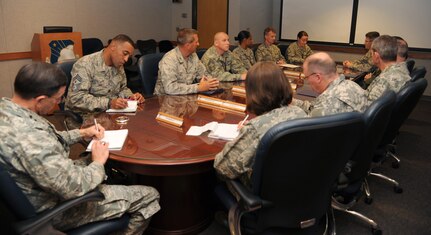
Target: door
209	17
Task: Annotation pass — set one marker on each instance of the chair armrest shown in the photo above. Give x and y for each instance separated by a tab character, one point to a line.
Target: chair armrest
248	200
76	117
45	217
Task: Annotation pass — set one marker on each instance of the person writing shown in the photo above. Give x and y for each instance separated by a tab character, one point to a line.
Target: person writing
268	97
38	158
243	51
298	51
221	63
180	68
365	63
99	81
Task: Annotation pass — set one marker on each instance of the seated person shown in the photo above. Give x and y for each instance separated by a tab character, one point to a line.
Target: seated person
221	63
243	51
180	69
394	75
336	94
99	81
38	158
365	63
402	55
298	51
268	51
268	97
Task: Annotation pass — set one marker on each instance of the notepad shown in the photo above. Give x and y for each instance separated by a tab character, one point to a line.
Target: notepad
223	131
115	138
132	106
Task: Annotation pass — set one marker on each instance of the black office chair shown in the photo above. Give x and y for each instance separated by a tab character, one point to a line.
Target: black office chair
165	46
148	67
283	50
296	165
354	182
410	63
418	72
232	47
407	99
200	52
25	220
91	45
146	46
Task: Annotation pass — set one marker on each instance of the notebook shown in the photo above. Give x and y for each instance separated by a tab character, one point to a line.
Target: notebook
115	138
218	130
132	106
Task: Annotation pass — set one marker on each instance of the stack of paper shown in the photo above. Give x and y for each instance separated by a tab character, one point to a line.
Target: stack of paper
115	139
218	130
132	106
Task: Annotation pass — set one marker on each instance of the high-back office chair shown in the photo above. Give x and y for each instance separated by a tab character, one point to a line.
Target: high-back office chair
148	66
91	45
295	168
25	220
410	63
165	46
146	46
418	72
407	99
375	119
283	50
200	52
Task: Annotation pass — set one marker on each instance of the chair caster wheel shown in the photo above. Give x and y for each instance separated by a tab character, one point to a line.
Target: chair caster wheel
398	189
376	231
368	200
395	165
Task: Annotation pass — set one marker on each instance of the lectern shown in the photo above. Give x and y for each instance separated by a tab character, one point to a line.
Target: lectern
54	47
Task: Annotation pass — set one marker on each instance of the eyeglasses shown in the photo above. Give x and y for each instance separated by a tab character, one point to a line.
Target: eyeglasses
309	75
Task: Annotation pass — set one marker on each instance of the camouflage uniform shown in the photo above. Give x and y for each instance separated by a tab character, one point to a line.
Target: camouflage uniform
364	63
297	54
37	159
340	96
237	157
226	67
246	56
94	84
268	53
393	77
176	75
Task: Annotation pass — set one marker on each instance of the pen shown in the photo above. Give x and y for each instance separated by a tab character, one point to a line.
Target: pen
95	123
242	122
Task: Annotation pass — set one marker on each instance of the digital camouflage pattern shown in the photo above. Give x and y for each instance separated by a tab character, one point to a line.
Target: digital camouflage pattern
297	54
393	77
363	64
94	84
246	56
176	74
225	67
268	53
237	157
38	160
340	96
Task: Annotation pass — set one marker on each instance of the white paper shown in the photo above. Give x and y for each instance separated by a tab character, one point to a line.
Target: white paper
115	138
218	130
132	106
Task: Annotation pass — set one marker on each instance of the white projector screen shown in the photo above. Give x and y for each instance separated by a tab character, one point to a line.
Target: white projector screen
324	21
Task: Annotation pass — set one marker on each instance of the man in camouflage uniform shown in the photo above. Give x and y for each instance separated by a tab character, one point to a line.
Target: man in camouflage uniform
180	69
237	157
336	94
221	63
267	51
365	63
298	51
36	156
99	81
394	75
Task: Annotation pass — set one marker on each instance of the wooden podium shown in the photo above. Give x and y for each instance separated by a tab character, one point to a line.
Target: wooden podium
50	47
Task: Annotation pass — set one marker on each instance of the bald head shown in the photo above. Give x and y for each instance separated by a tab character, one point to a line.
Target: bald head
221	42
322	63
